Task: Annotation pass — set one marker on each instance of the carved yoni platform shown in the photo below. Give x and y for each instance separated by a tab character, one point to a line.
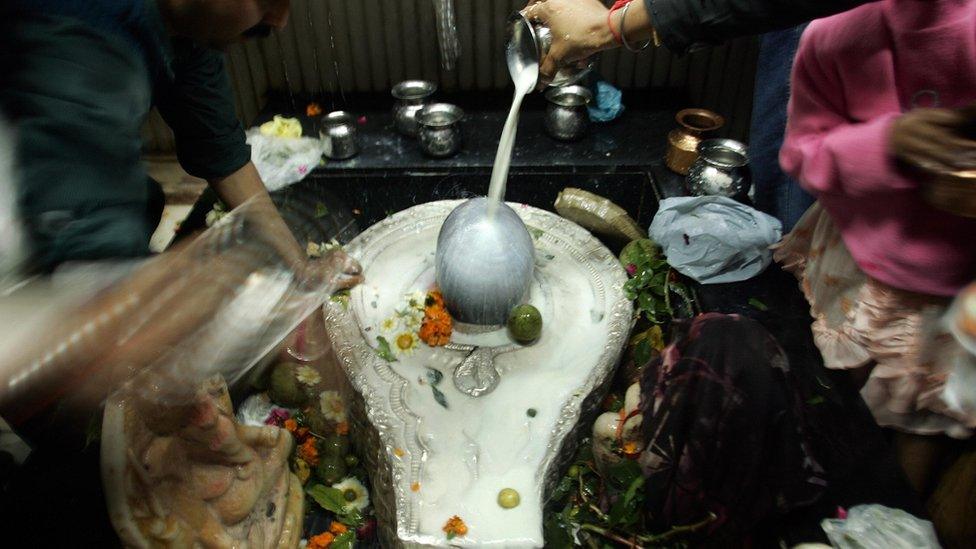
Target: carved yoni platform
450	427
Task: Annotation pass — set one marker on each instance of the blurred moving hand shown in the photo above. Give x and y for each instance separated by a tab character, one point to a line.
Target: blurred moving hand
213	305
936	141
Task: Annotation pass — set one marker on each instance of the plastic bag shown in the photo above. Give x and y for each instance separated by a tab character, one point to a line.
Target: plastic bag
714	239
282	161
879	527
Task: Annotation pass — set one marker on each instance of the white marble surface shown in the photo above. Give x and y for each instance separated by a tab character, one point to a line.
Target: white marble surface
455	460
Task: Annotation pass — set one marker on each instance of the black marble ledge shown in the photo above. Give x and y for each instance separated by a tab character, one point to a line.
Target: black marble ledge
636	139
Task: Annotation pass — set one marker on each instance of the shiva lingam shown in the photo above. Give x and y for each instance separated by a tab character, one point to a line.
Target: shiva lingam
514	413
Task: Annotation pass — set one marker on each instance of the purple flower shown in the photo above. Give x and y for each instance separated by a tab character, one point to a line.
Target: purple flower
631	269
277	417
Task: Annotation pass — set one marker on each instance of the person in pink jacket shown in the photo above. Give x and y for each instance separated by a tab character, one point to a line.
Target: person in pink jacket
876	262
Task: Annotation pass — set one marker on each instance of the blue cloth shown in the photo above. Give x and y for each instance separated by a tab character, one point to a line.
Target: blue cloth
607	104
777	194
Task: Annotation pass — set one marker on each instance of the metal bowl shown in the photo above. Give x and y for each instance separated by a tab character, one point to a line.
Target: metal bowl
528	45
484	262
566	116
411	97
440	129
722	169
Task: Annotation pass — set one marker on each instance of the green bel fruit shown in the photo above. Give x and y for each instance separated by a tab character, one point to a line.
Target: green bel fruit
331	469
284	388
525	323
334	445
508	498
638	252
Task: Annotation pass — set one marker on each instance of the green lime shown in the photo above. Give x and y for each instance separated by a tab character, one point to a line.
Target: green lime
508	498
351	460
525	323
331	469
334	445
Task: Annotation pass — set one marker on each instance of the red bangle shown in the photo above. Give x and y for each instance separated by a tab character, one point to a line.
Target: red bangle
616	34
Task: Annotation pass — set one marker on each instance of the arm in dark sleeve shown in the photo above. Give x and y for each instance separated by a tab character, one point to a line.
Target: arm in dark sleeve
682	24
198	105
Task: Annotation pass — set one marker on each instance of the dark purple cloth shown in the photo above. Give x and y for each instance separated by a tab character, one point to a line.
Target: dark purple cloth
725	430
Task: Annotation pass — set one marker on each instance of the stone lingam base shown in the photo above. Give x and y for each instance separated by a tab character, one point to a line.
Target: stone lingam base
448	428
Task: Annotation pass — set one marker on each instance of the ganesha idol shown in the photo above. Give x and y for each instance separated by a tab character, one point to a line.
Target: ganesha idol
189	475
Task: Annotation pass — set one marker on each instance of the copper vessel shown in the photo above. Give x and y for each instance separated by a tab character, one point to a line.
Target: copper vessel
693	125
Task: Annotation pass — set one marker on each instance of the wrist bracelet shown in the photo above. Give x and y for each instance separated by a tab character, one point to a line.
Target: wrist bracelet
623	34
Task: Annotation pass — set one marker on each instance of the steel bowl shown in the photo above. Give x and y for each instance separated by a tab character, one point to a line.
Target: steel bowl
411	97
440	129
722	169
338	135
484	262
566	116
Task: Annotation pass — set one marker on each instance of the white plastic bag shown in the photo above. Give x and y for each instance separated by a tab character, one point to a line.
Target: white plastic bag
714	239
879	527
282	161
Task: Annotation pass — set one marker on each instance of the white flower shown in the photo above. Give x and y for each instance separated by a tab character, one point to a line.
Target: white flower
216	214
308	375
417	300
406	342
389	325
255	409
332	406
313	250
350	485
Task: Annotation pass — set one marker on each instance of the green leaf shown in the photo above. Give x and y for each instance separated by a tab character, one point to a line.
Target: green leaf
329	498
563	489
434	376
755	303
352	518
558	530
643	352
536	233
813	401
384	350
622	474
439	396
320	210
346	540
450	535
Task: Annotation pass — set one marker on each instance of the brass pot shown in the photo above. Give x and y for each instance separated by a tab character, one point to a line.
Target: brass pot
683	141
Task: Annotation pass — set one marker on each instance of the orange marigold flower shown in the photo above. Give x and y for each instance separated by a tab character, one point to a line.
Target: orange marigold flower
321	541
313	109
342	428
291	425
630	449
308	452
455	527
435	299
435	330
338	528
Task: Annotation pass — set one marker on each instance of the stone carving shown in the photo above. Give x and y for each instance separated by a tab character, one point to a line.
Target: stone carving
189	475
